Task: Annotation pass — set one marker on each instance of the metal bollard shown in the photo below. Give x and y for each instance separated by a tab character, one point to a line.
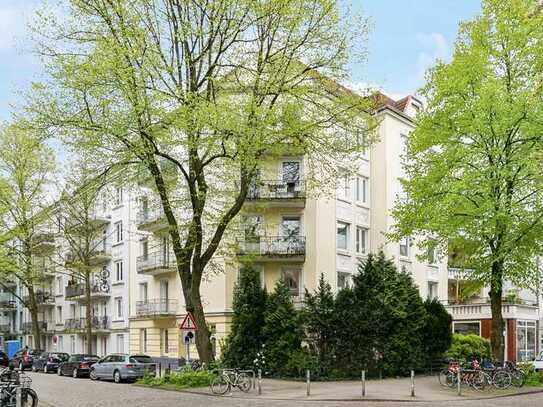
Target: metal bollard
459	380
18	397
308	381
363	383
259	382
412	383
254	379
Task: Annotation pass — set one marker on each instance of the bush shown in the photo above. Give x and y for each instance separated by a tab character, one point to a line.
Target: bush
533	378
182	380
437	335
466	347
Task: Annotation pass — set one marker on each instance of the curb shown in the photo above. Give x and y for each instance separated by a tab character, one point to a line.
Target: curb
373	400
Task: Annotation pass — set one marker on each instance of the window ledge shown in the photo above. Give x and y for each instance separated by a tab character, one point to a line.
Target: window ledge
405	259
349	201
363	205
120	282
344	252
117	206
117	320
117	243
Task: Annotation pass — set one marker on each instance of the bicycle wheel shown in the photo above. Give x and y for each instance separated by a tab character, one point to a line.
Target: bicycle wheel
443	376
478	380
29	398
220	384
518	378
501	379
244	382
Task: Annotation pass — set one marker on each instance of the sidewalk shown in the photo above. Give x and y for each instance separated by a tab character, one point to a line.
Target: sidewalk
427	388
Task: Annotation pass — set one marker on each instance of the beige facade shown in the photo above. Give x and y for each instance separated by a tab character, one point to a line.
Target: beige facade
286	232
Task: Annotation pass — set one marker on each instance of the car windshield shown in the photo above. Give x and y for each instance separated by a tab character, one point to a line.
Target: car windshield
61	356
141	359
90	358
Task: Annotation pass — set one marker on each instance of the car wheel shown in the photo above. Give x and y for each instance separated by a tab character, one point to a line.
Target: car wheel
21	368
75	375
59	371
45	369
93	375
117	376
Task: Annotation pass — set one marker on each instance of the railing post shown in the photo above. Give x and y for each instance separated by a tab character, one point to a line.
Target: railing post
259	382
363	383
412	383
459	381
308	381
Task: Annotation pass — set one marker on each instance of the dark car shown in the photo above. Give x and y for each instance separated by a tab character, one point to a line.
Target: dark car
77	365
24	358
4	360
49	361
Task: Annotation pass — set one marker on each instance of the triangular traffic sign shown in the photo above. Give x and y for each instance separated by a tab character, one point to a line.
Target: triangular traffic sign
188	323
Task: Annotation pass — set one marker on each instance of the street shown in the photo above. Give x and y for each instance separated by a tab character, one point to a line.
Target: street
55	391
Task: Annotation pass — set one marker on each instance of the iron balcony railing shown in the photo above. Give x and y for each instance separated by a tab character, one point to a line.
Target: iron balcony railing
80	324
159	259
28	326
77	290
42	296
157	306
7	301
5	328
152	213
273	246
276	189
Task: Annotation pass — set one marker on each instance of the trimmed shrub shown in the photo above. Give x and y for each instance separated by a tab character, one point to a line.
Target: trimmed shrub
181	380
437	334
466	347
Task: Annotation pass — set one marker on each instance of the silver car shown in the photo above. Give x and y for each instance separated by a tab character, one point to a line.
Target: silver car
119	367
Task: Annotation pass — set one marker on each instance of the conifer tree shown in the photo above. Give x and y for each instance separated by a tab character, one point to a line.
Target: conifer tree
249	306
437	336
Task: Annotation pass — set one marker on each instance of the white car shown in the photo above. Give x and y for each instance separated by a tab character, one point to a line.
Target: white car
538	362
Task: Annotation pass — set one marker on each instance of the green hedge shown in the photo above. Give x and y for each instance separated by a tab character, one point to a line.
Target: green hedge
465	347
181	380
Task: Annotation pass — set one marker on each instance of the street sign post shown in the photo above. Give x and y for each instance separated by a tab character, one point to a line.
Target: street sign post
188	329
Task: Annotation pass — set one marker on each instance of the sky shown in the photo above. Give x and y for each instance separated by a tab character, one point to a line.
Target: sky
406	39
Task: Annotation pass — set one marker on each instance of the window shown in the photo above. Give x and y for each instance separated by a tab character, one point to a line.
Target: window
120	343
432	254
342	235
61	343
145	249
343	280
72	344
467	328
59	285
143	340
119	270
361	240
291	171
405	243
119	231
344	188
72	311
119	307
526	334
292	278
290	226
59	314
164	291
118	196
143	292
362	184
432	290
164	341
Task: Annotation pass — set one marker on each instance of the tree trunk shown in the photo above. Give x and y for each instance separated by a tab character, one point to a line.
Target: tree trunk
33	309
203	340
496	289
88	314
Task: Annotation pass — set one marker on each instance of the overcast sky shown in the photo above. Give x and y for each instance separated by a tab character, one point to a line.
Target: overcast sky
407	37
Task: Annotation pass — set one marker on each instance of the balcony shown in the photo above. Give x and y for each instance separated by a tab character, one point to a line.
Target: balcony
76	292
151	218
457	273
7	302
98	323
100	255
28	327
95	219
277	193
156	263
273	248
5	329
43	297
43	242
483	311
156	308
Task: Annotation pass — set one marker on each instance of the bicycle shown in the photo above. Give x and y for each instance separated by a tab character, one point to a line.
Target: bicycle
473	377
10	382
229	378
518	377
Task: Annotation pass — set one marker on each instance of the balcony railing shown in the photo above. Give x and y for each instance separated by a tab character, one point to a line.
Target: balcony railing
7	301
276	189
151	214
44	241
78	290
28	326
80	324
156	262
156	307
5	328
42	297
273	246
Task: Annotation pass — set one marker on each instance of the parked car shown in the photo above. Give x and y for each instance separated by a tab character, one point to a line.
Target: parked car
4	360
24	358
49	361
121	367
77	365
538	362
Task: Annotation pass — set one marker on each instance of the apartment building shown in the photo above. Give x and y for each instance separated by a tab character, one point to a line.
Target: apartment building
286	232
61	299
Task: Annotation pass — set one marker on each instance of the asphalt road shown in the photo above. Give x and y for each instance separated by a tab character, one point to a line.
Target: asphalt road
55	391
